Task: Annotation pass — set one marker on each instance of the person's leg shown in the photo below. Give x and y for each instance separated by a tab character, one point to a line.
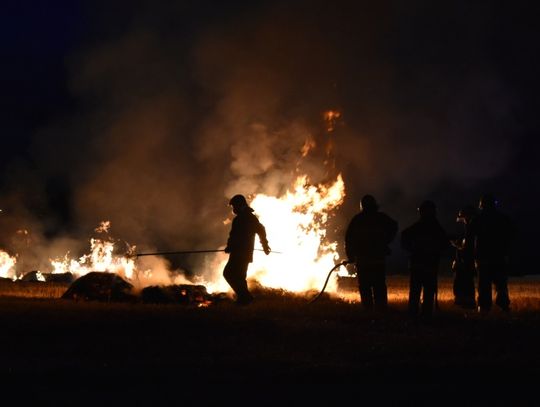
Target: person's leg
364	287
380	291
229	275
235	274
469	300
429	281
484	287
415	288
500	280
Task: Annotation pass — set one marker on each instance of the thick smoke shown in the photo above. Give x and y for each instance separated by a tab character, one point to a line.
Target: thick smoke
171	120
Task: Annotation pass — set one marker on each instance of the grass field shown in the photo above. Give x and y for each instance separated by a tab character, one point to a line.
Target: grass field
281	349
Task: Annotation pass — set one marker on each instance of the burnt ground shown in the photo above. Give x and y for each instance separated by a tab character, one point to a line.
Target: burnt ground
280	350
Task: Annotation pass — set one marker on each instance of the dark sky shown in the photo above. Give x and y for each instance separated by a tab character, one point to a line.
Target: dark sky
151	116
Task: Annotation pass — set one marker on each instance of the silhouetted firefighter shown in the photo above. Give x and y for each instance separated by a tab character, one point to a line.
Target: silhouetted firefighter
492	233
463	263
240	245
366	243
425	240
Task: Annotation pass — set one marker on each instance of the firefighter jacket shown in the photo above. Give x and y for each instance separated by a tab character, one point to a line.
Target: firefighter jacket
368	236
493	233
241	242
425	240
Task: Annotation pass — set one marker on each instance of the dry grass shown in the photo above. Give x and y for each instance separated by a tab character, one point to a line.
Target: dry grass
524	291
280	350
32	289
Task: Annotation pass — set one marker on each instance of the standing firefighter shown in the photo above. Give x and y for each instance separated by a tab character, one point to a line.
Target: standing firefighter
425	240
492	233
366	243
240	245
463	264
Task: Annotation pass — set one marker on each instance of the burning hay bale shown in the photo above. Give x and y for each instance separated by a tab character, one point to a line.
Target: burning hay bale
100	286
37	276
176	294
33	275
59	277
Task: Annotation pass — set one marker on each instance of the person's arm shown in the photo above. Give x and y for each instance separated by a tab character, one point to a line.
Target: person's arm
261	232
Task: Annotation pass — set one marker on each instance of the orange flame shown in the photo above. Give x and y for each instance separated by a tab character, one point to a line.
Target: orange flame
309	144
296	227
100	258
331	117
7	266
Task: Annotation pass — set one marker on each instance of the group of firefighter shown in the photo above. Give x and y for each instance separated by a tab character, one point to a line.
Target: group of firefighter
481	252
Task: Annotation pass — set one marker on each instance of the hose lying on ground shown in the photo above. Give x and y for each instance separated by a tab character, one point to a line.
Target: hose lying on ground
343	263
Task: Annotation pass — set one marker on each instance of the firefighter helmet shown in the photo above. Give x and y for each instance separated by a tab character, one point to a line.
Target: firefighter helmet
368	203
238	201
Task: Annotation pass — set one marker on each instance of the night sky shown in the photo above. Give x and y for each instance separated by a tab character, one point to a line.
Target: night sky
153	115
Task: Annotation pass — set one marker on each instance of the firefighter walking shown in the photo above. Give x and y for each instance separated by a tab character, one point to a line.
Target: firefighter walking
240	246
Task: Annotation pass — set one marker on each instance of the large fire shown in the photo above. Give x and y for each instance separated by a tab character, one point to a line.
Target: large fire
296	229
100	258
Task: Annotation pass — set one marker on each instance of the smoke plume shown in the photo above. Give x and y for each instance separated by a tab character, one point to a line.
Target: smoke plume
173	118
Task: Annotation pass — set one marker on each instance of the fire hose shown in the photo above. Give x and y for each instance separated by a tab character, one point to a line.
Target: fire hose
343	263
188	252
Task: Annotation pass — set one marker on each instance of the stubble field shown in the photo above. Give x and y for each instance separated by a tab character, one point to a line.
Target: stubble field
281	349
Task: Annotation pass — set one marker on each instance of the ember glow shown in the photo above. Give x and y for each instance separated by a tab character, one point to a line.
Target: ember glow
296	228
331	117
